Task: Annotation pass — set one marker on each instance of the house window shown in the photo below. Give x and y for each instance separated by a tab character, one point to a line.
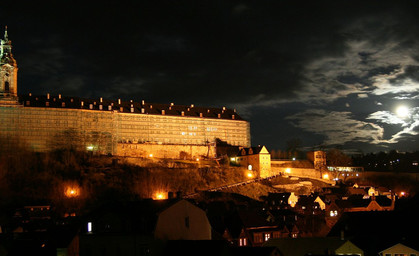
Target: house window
6	87
89	227
258	237
267	236
242	242
333	213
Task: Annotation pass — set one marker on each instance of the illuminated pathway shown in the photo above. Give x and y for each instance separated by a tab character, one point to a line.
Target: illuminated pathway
233	185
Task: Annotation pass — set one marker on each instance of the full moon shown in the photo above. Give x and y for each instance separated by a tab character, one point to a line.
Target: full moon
402	111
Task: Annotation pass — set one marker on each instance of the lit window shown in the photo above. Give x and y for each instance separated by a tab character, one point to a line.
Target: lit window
249	167
333	213
267	236
89	227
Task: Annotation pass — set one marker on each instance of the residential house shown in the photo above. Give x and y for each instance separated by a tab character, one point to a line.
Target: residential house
135	228
400	249
183	221
374	230
314	246
258	227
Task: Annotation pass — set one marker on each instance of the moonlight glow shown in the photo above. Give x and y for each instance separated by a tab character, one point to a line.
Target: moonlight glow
402	111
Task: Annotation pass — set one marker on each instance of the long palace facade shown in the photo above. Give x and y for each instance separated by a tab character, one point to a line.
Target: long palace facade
117	127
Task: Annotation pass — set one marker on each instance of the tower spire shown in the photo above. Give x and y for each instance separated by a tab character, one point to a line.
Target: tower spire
5	34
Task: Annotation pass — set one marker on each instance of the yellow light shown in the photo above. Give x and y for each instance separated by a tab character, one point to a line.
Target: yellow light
288	170
197	159
72	191
326	176
159	196
250	175
151	155
233	159
90	148
402	193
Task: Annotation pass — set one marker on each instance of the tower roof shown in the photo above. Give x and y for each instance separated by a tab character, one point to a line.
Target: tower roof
6	56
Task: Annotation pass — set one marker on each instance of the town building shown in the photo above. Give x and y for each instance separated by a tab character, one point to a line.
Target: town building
118	127
255	159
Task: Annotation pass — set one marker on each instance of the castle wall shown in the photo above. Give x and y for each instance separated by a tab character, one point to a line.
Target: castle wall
165	150
46	128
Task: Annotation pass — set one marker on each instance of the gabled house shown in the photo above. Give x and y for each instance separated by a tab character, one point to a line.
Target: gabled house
256	159
399	250
182	221
127	227
257	227
314	246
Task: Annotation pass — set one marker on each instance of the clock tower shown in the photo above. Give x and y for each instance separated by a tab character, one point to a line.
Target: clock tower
8	72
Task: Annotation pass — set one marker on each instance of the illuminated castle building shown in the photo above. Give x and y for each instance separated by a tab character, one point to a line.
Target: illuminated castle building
117	127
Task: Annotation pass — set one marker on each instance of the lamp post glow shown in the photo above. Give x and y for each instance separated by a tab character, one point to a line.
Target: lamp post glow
72	191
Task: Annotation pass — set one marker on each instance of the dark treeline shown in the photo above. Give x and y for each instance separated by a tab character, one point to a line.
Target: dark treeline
392	161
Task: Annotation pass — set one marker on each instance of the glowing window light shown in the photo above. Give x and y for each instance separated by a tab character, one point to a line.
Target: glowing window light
151	155
250	175
90	148
326	176
89	227
249	167
288	170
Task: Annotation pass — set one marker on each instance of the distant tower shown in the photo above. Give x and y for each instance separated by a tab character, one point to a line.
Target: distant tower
8	71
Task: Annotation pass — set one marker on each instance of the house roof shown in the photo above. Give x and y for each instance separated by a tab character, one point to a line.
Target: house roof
306	245
373	231
253	151
148	108
138	217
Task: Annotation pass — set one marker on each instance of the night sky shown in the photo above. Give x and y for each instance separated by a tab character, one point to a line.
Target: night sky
326	73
